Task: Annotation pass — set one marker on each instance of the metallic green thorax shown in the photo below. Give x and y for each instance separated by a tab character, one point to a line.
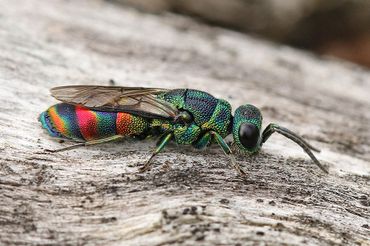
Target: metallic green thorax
208	112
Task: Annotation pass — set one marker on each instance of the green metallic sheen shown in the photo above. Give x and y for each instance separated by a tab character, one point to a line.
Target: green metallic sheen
209	114
200	120
186	134
246	114
203	141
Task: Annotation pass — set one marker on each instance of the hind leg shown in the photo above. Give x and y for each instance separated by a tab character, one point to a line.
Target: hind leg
88	143
164	141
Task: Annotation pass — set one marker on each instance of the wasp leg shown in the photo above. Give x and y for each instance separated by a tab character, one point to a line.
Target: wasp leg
160	146
162	138
271	128
227	152
203	141
92	142
66	148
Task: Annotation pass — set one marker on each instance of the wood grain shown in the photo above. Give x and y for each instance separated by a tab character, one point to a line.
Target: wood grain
94	195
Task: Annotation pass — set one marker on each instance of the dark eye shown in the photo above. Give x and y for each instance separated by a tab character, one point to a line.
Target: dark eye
248	135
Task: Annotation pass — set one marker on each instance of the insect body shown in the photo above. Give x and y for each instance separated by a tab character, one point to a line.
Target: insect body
99	114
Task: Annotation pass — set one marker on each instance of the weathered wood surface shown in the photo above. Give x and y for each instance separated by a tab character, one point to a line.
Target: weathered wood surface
93	196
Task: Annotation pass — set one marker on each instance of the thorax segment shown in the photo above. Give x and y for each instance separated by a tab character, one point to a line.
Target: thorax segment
208	112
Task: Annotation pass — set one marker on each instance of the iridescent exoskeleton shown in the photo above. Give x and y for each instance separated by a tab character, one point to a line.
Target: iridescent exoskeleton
100	114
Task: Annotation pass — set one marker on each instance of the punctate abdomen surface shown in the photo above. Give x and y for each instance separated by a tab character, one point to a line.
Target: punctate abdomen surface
80	123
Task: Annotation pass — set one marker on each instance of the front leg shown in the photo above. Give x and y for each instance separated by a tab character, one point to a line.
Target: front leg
227	152
206	139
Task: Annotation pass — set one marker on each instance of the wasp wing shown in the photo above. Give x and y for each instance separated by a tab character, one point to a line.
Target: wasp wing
135	100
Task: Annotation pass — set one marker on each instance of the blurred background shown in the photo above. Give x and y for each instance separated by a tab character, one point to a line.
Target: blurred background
338	28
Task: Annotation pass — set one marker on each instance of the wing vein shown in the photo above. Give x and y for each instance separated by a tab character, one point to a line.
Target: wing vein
136	100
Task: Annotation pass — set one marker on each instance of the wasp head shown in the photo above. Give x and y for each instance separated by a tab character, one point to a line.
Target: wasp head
247	128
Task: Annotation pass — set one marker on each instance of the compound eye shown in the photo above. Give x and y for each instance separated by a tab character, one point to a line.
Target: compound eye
248	135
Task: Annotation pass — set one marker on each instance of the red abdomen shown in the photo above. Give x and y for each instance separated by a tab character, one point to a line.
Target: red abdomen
80	123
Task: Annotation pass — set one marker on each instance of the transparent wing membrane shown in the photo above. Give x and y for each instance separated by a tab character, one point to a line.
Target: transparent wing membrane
136	100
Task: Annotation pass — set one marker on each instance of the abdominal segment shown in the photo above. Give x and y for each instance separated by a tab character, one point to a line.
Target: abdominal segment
80	123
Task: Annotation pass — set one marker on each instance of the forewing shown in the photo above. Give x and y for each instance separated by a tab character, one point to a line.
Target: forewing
136	100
